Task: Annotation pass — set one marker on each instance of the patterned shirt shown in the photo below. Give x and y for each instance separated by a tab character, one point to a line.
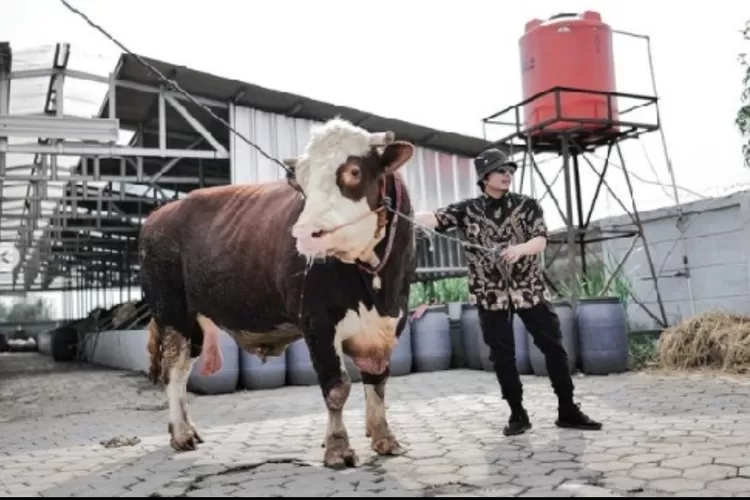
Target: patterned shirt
512	219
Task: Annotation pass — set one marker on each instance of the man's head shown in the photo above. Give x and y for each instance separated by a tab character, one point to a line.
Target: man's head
494	170
341	173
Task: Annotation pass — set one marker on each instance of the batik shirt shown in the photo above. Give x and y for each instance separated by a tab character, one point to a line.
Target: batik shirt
486	221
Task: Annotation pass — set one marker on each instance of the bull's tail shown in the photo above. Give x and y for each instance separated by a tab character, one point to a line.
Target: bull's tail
155	351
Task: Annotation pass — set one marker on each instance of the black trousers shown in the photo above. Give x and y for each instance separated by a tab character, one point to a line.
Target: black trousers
543	325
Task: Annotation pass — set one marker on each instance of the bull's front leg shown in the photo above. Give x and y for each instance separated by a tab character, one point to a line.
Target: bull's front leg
383	441
336	385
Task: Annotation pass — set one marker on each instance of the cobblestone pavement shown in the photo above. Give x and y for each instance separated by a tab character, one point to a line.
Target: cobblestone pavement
664	435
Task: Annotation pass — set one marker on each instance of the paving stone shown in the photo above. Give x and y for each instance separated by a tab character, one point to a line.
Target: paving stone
652	473
664	435
732	485
674	485
686	462
711	472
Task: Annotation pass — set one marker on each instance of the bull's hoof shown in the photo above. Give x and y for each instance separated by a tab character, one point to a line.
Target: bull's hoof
387	446
187	441
198	438
339	455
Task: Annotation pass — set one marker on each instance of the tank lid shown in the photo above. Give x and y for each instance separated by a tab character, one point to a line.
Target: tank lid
588	15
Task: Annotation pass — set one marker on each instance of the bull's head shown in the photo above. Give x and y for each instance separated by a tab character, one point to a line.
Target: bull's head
340	172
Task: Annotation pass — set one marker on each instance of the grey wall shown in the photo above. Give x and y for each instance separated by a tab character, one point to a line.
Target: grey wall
717	242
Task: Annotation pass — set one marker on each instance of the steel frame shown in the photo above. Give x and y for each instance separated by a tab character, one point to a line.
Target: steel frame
580	137
79	224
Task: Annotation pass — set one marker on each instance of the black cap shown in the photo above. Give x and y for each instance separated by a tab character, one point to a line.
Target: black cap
490	160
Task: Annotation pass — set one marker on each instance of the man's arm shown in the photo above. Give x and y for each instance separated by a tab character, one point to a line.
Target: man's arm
426	219
443	219
536	230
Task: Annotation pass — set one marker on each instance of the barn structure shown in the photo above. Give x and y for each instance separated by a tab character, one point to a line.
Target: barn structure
74	193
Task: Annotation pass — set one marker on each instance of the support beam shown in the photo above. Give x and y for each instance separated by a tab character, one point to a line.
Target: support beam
82	149
67	127
196	125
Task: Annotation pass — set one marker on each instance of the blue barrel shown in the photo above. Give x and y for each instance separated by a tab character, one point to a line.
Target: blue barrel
569	340
521	340
472	335
603	334
226	379
299	367
256	375
431	340
401	359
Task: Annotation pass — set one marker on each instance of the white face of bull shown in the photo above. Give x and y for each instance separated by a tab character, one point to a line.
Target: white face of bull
340	172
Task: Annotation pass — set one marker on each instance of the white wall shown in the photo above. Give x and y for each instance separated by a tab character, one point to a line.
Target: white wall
717	242
434	178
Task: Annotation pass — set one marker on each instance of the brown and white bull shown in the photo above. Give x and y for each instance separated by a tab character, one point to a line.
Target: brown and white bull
270	266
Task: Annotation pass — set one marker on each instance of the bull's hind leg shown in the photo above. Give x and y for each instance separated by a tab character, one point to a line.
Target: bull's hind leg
177	366
383	441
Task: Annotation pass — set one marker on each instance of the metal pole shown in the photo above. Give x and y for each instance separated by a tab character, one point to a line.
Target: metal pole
569	222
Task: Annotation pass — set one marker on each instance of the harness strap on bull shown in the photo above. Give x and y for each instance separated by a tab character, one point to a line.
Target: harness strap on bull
386	205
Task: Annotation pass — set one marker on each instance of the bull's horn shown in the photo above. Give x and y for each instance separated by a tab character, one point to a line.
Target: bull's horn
379	139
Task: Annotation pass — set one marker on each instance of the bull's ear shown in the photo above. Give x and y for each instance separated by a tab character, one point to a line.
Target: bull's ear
395	156
290	162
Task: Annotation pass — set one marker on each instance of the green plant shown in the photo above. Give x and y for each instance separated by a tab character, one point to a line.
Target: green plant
440	291
592	283
644	350
452	290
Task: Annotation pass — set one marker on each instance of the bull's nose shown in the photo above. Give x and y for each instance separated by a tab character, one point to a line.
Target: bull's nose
306	231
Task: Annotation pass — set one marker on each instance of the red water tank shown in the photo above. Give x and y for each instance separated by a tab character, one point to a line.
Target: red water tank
568	50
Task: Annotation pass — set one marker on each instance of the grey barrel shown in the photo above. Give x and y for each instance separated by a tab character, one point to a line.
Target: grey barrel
401	359
227	378
257	375
299	367
471	334
565	313
431	340
603	335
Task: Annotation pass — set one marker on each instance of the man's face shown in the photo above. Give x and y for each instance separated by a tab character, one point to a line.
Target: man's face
500	179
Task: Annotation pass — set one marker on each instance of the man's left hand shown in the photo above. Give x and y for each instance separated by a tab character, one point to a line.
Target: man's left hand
512	254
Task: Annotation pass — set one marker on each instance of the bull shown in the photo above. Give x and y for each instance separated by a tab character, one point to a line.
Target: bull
270	265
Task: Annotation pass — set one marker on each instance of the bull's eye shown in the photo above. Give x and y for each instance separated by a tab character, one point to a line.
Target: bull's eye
351	175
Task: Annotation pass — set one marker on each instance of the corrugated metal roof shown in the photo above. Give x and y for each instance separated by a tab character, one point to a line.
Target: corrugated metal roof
210	86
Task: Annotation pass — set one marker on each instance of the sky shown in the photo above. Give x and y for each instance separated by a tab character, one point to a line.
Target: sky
444	64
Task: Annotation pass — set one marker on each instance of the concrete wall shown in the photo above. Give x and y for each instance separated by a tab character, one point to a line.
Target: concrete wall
717	244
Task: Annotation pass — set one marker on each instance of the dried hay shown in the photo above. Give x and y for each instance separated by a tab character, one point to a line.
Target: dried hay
714	340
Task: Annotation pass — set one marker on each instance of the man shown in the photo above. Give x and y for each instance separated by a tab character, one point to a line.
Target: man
510	281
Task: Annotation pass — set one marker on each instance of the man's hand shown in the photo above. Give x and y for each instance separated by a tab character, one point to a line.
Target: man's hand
512	254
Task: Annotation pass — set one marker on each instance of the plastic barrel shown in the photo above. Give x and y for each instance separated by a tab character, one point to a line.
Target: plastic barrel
401	358
603	335
256	375
471	333
299	367
431	340
226	379
569	339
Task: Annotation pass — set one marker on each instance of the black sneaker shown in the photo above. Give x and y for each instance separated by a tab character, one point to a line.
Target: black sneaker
573	418
518	424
